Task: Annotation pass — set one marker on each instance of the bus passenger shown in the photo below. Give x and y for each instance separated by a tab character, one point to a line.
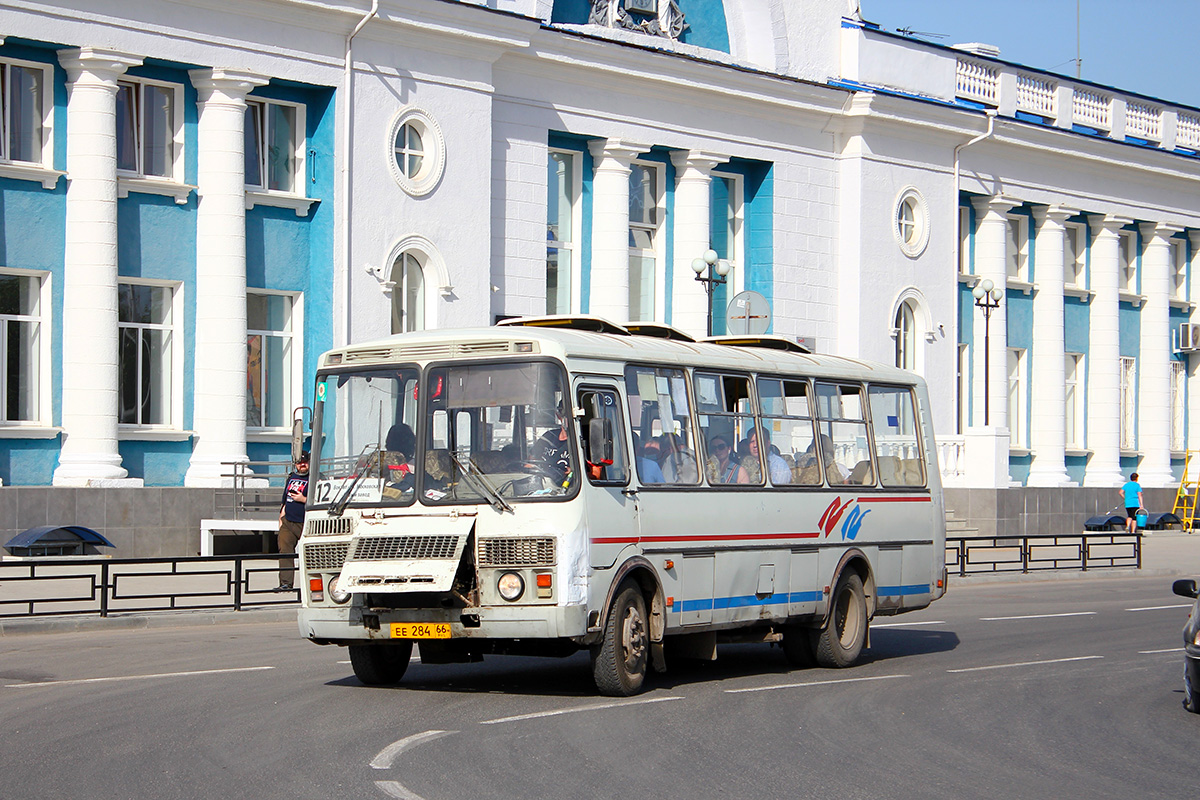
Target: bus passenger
552	452
722	466
647	464
400	447
678	463
777	468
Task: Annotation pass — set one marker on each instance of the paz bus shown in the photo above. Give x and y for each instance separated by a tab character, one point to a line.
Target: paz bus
554	484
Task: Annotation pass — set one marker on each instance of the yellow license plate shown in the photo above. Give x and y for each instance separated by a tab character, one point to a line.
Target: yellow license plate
420	630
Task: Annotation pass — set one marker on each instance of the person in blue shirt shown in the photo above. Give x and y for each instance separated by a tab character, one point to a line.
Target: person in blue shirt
1132	492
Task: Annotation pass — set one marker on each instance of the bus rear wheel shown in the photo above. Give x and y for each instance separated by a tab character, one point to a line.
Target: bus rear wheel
380	664
841	641
619	662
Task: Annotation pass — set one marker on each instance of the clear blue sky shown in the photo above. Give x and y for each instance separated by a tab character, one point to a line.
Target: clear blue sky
1151	47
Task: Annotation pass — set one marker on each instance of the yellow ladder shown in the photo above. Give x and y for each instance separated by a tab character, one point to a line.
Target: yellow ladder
1185	498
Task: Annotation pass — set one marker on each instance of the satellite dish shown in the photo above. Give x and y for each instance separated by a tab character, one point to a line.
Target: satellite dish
748	313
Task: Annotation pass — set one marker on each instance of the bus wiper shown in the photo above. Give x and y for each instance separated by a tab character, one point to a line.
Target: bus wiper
360	472
482	485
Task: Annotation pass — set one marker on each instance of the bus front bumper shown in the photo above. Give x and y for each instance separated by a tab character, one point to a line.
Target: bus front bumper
353	624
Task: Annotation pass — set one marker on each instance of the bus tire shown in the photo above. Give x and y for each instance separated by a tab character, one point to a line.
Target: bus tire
798	646
380	664
841	641
619	662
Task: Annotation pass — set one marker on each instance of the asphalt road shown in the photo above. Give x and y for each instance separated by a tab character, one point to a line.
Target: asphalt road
1024	690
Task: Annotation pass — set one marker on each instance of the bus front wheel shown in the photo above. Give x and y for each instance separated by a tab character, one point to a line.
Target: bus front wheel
380	664
841	641
619	661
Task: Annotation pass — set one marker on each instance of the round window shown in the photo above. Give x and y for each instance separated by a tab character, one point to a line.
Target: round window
911	222
416	151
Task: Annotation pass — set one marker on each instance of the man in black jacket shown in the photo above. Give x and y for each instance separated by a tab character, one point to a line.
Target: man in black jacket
291	517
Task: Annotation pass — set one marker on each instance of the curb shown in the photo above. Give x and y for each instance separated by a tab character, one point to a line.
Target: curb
160	619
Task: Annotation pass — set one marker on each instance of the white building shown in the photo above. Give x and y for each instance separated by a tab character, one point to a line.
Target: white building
175	178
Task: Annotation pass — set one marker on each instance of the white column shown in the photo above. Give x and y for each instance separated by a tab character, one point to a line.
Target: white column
1104	355
219	399
90	366
1047	425
991	263
610	227
1154	362
693	236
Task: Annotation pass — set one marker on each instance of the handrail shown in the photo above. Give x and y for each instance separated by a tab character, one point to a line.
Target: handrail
973	555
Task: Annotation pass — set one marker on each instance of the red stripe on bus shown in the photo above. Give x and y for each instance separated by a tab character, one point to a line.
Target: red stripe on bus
902	499
616	540
713	538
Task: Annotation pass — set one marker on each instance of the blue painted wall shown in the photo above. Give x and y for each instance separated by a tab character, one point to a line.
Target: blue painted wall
1076	468
1018	468
1020	318
705	21
1130	321
760	229
1076	325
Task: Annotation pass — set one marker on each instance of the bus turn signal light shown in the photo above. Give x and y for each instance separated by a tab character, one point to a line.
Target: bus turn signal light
544	583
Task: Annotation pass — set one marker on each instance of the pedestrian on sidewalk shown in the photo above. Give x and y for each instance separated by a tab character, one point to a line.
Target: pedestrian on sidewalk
1132	492
291	518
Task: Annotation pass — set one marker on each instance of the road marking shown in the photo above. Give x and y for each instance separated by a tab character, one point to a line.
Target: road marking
908	624
394	789
1157	652
594	707
1160	608
388	754
1040	616
815	683
1026	664
136	677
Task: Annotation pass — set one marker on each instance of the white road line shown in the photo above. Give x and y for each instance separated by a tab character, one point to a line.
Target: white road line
595	707
1040	616
394	789
1157	652
1160	608
908	624
814	683
388	754
136	677
1026	664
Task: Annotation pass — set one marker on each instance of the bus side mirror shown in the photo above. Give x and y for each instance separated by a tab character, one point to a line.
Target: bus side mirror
600	440
298	431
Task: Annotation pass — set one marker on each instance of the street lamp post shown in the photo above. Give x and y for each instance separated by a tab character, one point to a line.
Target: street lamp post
987	299
711	264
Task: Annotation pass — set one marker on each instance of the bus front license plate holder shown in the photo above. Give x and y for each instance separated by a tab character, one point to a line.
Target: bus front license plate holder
420	630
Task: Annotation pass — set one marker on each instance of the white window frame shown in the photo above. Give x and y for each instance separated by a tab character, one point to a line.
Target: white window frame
1128	403
1127	258
573	246
1016	253
1075	399
1075	269
300	173
1178	406
433	143
399	291
43	402
295	387
964	388
41	169
1017	397
964	240
736	279
657	252
177	140
907	336
910	222
1179	253
175	421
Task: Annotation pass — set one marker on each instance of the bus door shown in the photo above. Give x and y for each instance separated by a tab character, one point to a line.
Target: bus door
610	498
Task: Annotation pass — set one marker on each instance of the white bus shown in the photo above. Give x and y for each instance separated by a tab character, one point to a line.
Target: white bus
554	484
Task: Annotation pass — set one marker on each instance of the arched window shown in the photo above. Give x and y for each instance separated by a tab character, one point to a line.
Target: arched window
906	337
408	294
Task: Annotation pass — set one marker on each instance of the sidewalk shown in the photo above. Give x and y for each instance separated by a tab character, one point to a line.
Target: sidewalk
1165	554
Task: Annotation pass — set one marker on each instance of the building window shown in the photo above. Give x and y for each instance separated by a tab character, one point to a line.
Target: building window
964	388
417	151
1179	269
1178	403
964	240
906	337
1016	397
1128	403
911	222
274	146
1074	411
1127	258
726	226
271	354
562	247
146	340
24	122
408	294
21	347
645	218
1074	255
147	128
1016	247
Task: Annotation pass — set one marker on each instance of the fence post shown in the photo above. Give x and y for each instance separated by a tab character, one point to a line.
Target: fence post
1025	554
962	558
104	588
237	583
1137	548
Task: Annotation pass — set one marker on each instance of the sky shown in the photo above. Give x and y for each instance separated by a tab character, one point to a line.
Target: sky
1151	47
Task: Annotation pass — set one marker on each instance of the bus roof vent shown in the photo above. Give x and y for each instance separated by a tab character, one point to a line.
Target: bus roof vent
576	323
657	330
767	342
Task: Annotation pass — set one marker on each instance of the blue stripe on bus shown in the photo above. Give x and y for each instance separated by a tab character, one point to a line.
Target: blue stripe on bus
899	591
744	601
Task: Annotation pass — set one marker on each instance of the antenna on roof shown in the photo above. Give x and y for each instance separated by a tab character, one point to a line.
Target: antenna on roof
908	31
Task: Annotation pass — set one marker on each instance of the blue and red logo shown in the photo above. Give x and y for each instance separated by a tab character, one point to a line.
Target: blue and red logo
836	511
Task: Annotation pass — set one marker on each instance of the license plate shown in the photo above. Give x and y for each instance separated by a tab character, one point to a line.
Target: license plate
420	630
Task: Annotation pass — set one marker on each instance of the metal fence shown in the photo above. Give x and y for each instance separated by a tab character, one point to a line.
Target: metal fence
972	555
256	487
49	587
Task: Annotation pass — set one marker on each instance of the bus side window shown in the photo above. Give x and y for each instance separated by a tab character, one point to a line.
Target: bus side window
726	420
842	424
601	404
897	448
660	412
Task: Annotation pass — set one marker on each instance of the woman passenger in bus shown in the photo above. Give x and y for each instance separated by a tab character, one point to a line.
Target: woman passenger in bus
777	468
400	446
647	462
722	465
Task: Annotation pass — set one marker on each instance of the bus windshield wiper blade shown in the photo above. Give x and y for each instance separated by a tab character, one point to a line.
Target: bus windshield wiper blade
471	470
360	472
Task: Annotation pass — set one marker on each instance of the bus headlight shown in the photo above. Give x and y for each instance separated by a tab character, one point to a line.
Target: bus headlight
335	591
511	586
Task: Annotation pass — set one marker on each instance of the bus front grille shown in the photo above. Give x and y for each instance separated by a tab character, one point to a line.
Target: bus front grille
325	556
516	552
331	526
382	548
